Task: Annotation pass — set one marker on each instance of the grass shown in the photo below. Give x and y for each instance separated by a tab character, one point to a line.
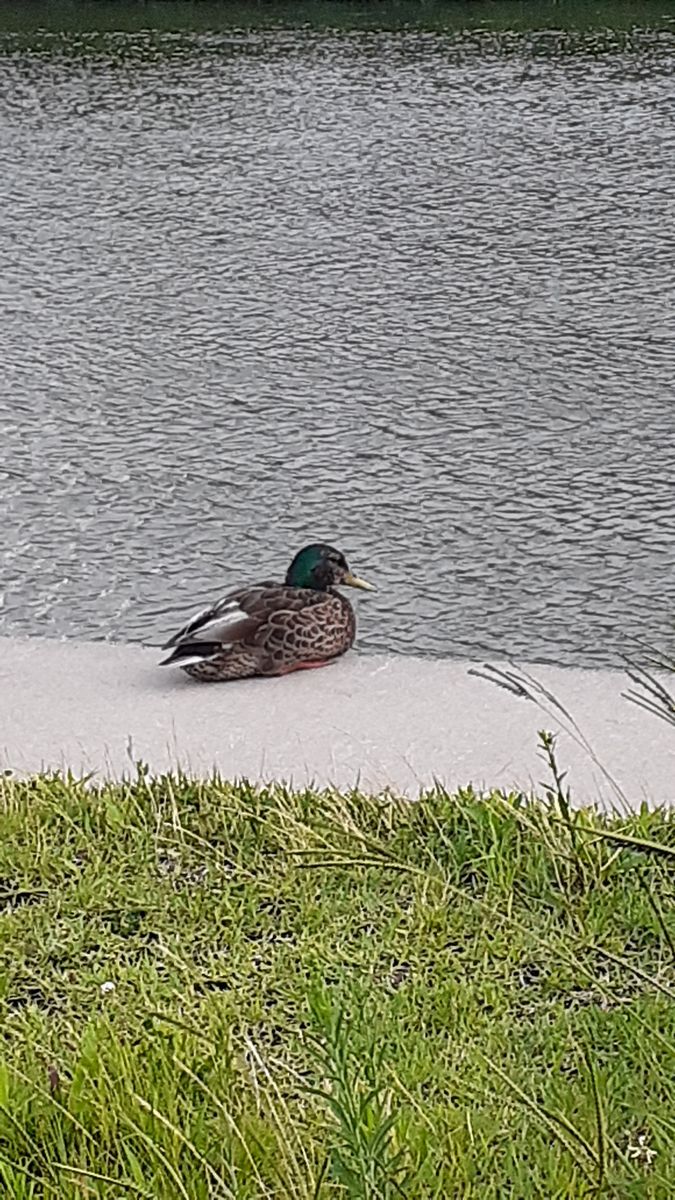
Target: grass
82	28
172	15
212	990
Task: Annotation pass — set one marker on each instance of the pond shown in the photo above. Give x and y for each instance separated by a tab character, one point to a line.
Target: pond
403	283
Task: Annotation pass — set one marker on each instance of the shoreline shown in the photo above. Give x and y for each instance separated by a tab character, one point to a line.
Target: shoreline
379	722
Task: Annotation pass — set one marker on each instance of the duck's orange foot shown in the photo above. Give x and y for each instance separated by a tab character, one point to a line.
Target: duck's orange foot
307	666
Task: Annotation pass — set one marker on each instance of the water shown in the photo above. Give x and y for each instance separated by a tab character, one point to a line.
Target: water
408	291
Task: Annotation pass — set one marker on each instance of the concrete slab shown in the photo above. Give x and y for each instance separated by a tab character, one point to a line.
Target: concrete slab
380	722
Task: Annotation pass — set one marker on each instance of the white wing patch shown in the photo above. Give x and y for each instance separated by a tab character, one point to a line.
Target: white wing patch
218	624
214	624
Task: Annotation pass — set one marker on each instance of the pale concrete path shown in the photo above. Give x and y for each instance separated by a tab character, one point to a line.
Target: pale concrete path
382	722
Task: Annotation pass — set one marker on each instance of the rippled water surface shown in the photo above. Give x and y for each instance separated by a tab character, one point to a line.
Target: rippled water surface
413	293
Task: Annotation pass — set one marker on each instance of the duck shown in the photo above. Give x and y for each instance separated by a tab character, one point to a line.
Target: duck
273	628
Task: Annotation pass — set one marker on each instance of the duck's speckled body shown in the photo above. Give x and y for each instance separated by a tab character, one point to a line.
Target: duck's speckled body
271	628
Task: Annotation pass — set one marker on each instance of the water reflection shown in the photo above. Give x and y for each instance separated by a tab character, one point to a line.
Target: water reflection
406	293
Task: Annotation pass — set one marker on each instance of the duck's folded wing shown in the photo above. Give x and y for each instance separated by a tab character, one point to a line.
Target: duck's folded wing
228	620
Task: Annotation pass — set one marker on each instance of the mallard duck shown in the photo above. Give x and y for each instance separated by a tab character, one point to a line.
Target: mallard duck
273	628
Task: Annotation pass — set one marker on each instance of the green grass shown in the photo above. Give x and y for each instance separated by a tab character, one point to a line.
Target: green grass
200	15
82	28
323	995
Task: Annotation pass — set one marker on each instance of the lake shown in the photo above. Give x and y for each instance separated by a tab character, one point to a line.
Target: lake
404	283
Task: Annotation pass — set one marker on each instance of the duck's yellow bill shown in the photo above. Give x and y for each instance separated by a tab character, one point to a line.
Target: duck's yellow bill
354	581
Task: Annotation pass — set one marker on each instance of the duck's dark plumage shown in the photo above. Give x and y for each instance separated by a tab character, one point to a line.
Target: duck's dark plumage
272	628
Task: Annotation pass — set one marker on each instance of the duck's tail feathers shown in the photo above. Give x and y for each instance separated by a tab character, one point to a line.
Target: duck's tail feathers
189	653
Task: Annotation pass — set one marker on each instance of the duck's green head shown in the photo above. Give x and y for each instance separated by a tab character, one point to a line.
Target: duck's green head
321	567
